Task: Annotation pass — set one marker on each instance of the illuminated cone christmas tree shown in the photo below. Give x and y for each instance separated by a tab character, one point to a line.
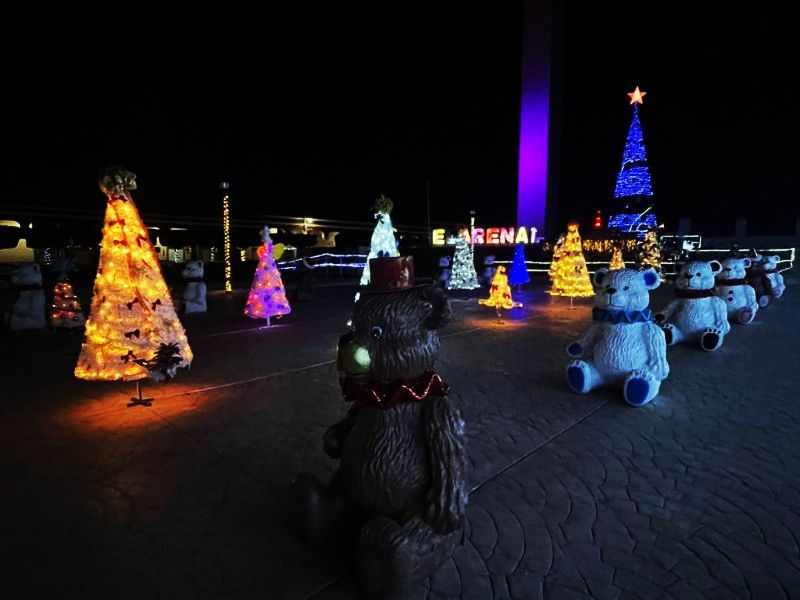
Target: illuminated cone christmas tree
633	192
518	274
132	319
617	262
65	311
570	275
383	243
558	248
267	296
463	275
500	292
649	252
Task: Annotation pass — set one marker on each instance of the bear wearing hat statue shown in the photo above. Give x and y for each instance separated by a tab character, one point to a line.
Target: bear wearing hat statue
401	483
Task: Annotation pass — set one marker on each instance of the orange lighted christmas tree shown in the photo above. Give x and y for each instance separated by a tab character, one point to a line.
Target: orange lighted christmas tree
267	296
617	262
66	311
500	292
132	317
570	276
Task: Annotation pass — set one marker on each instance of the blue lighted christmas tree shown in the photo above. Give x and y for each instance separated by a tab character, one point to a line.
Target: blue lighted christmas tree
634	191
518	274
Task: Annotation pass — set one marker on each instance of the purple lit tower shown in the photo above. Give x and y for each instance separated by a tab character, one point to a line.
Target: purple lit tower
532	189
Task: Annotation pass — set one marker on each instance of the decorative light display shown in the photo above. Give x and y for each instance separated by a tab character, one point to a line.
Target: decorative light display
598	220
463	275
518	274
650	252
66	311
500	293
558	249
132	314
383	243
267	297
633	189
226	233
617	262
569	273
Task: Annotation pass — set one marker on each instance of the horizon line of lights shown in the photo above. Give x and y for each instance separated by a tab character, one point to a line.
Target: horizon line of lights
226	250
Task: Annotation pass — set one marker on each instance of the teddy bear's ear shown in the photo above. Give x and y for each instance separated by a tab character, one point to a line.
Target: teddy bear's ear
715	265
439	306
651	279
776	258
747	263
200	264
599	275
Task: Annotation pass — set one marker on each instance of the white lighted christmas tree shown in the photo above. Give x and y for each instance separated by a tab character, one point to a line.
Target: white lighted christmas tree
133	330
383	243
570	275
267	297
649	252
463	275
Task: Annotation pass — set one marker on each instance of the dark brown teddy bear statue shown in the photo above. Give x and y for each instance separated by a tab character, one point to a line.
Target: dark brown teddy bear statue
401	487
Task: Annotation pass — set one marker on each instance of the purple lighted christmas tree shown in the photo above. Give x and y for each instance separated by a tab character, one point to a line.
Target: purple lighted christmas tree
518	274
267	296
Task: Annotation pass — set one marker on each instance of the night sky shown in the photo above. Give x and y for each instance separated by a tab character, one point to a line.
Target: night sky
312	111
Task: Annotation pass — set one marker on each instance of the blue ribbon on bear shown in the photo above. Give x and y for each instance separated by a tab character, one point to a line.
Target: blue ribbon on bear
614	316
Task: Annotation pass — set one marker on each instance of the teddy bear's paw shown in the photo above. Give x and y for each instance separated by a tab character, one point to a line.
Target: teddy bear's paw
711	339
669	336
579	376
639	388
763	300
746	316
777	292
384	562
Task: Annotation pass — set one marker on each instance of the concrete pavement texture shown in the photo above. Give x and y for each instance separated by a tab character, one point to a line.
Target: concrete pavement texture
696	495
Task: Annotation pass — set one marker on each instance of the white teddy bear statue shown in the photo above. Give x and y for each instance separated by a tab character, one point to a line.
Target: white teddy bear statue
697	314
623	346
28	310
489	269
194	296
764	277
732	287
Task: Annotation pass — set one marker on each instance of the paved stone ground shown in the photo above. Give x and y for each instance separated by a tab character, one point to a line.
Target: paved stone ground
696	495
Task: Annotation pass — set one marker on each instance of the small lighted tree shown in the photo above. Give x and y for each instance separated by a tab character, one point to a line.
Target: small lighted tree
649	252
267	297
65	311
617	262
571	277
500	293
463	275
132	316
518	274
383	243
558	248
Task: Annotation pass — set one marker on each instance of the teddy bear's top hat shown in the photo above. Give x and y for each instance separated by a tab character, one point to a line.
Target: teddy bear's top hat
390	274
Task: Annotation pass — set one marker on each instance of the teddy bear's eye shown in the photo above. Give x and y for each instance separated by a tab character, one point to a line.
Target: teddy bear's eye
626	288
377	332
699	274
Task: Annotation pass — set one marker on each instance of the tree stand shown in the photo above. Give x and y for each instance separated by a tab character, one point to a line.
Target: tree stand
138	400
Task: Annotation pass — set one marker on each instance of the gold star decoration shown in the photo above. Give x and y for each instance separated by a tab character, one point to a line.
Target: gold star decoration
636	96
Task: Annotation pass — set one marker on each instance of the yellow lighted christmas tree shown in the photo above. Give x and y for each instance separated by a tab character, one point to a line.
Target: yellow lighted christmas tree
132	326
617	262
570	276
650	252
500	292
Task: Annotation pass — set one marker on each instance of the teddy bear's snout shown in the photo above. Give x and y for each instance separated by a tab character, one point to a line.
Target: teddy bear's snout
352	358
